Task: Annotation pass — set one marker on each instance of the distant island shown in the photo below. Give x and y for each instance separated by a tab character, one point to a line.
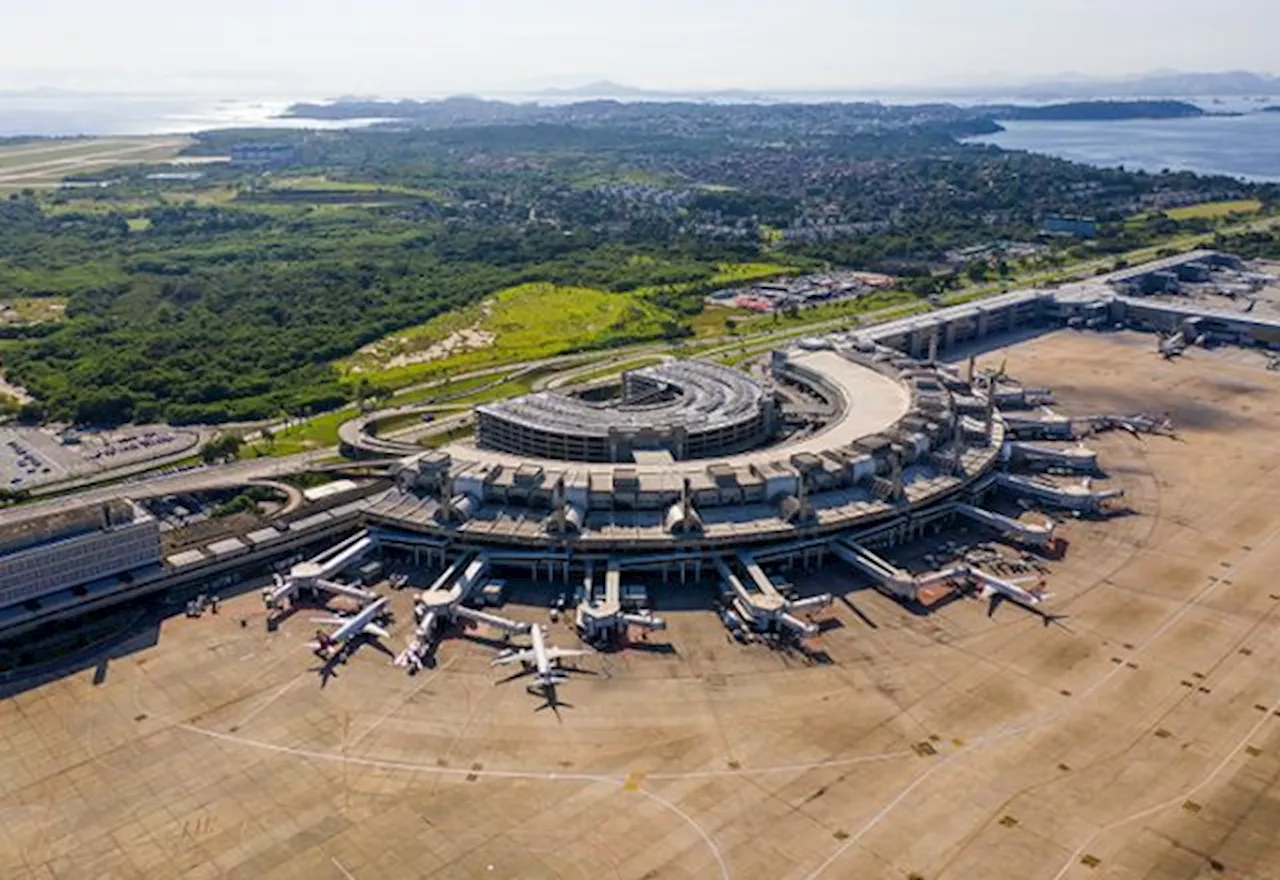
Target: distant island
1081	111
469	110
1173	86
1273	108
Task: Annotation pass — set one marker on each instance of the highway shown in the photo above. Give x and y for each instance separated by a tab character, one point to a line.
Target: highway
194	480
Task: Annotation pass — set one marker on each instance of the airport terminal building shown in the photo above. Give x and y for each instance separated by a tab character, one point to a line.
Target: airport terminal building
66	550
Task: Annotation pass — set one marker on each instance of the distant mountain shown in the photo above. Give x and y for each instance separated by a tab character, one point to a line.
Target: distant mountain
607	89
1165	84
1064	87
602	88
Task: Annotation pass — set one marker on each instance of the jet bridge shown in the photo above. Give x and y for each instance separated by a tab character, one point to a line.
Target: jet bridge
898	583
1076	459
600	615
1080	497
1045	426
894	581
1016	396
760	604
1035	534
316	574
442	603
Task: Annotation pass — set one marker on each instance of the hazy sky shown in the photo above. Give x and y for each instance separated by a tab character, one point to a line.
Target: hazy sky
433	46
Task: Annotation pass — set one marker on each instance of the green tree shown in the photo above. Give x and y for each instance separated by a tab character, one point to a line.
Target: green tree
223	447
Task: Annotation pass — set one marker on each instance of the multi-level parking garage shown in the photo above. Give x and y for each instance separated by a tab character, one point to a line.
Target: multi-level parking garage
686	409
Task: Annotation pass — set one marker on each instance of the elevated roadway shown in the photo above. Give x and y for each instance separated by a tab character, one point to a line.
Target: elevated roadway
873	402
196	480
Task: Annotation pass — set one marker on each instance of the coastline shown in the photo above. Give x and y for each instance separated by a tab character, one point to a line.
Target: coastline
1242	147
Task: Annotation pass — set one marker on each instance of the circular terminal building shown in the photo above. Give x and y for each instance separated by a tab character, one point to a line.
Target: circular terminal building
694	471
687	409
693	460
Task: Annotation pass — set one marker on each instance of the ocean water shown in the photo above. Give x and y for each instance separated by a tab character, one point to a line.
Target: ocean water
1246	147
66	114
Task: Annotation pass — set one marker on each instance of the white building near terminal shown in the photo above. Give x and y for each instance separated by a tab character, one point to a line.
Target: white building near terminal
74	548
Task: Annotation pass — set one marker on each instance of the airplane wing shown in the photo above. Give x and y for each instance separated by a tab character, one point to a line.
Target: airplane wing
525	656
372	629
331	620
557	653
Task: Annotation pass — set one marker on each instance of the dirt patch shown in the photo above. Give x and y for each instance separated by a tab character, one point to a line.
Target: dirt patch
17	392
470	338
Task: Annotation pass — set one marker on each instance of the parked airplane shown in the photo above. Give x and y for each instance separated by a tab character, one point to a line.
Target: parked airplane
998	590
336	646
543	663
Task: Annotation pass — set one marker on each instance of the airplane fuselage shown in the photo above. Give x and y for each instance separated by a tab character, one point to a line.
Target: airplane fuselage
339	639
540	659
992	584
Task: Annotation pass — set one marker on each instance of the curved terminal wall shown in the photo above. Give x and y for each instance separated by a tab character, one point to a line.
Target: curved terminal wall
690	409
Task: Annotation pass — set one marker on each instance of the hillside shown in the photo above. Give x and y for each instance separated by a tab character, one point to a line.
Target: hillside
535	320
1080	111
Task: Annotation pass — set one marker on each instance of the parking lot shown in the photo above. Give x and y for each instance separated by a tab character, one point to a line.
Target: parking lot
31	457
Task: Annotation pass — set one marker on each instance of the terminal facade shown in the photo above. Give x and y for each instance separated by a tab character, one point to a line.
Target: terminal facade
47	554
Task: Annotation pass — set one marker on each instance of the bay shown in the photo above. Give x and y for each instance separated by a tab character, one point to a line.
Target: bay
52	113
1246	147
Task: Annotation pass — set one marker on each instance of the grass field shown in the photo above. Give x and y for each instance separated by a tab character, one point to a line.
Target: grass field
756	323
525	322
1214	210
736	273
528	322
325	185
17	281
317	433
32	309
714	320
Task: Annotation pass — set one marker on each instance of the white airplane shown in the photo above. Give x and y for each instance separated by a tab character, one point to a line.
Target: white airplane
543	663
1172	346
335	646
998	589
991	585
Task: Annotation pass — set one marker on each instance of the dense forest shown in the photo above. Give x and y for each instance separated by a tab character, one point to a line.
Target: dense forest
229	298
218	314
